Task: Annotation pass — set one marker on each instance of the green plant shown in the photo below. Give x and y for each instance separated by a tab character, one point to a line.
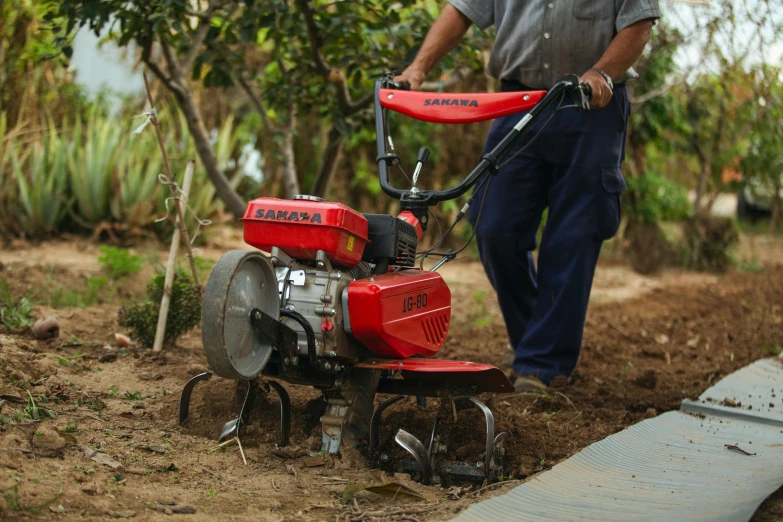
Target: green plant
184	312
656	199
135	396
91	163
15	314
41	177
119	262
34	412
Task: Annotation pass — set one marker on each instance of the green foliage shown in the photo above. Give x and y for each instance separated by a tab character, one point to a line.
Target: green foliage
184	312
656	199
15	314
34	412
100	173
41	183
119	262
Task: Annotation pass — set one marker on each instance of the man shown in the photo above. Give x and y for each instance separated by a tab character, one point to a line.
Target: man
572	168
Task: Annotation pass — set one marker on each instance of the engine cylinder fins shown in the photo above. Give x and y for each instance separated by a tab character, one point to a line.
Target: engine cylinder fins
240	281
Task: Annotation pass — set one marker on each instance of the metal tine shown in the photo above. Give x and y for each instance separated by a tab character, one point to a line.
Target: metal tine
432	448
414	446
375	427
285	412
232	427
187	390
490	422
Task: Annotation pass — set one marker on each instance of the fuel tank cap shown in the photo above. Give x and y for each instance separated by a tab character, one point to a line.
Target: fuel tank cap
305	197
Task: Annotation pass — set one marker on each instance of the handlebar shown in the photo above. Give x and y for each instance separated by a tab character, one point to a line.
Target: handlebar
489	162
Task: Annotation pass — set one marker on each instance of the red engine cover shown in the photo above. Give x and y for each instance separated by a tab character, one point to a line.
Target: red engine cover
400	314
301	228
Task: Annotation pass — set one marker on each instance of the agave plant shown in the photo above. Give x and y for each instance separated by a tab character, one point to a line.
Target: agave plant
7	187
41	178
134	199
92	164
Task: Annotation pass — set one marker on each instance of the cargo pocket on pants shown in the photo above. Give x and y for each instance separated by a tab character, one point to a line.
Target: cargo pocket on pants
613	185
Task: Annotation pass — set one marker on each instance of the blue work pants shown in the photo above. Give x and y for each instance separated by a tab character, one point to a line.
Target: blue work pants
572	168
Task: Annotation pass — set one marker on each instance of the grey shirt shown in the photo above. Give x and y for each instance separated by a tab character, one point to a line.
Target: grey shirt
538	42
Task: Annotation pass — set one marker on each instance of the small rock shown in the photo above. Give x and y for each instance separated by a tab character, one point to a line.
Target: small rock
123	514
661	338
107	357
46	328
150	376
731	403
650	413
122	339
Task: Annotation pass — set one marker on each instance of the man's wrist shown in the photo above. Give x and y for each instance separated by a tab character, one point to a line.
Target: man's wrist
606	77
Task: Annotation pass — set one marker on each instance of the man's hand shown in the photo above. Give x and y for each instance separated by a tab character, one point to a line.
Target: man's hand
601	91
412	75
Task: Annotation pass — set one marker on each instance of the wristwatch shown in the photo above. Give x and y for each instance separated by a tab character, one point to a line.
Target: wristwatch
606	77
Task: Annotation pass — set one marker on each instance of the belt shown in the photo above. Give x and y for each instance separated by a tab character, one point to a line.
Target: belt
513	85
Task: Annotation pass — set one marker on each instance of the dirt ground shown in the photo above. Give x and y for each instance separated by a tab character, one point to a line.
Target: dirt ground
113	448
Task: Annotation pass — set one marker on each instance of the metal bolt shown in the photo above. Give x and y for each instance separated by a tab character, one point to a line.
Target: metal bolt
327	366
290	307
337	367
384	458
332	353
526	97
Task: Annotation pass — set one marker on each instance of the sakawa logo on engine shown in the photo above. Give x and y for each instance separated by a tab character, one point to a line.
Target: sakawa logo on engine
462	102
282	215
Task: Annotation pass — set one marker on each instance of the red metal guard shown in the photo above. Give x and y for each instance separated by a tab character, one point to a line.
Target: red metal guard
488	377
458	108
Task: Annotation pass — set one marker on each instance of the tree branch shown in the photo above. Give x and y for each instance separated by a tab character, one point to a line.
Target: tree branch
259	105
198	36
333	76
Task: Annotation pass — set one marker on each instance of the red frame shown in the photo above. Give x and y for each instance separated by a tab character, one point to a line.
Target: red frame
458	108
488	377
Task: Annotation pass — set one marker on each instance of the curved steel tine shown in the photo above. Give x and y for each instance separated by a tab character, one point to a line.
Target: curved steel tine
232	427
184	398
285	412
375	426
490	435
414	446
431	449
496	457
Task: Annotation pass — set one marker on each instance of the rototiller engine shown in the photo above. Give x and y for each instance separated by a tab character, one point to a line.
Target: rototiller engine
338	304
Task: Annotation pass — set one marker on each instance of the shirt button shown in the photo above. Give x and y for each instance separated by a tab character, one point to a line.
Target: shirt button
546	66
546	35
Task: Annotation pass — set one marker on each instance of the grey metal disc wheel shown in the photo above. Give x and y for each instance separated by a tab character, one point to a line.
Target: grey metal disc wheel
240	281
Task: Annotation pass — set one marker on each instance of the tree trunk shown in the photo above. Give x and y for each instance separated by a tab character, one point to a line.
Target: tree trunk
776	203
701	186
290	179
223	190
334	147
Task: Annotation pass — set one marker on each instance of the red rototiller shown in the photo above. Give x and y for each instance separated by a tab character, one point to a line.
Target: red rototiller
339	304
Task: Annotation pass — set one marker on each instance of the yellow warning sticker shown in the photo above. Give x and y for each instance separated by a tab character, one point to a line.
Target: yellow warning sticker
351	239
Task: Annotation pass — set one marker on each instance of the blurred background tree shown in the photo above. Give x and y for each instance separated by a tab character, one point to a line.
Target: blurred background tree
273	97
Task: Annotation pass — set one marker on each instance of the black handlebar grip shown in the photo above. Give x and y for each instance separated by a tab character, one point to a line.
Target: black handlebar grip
424	153
587	90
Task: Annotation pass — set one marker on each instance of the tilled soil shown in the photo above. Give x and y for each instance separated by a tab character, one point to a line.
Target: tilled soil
641	357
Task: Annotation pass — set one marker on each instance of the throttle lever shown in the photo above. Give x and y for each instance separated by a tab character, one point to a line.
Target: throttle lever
424	153
581	96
